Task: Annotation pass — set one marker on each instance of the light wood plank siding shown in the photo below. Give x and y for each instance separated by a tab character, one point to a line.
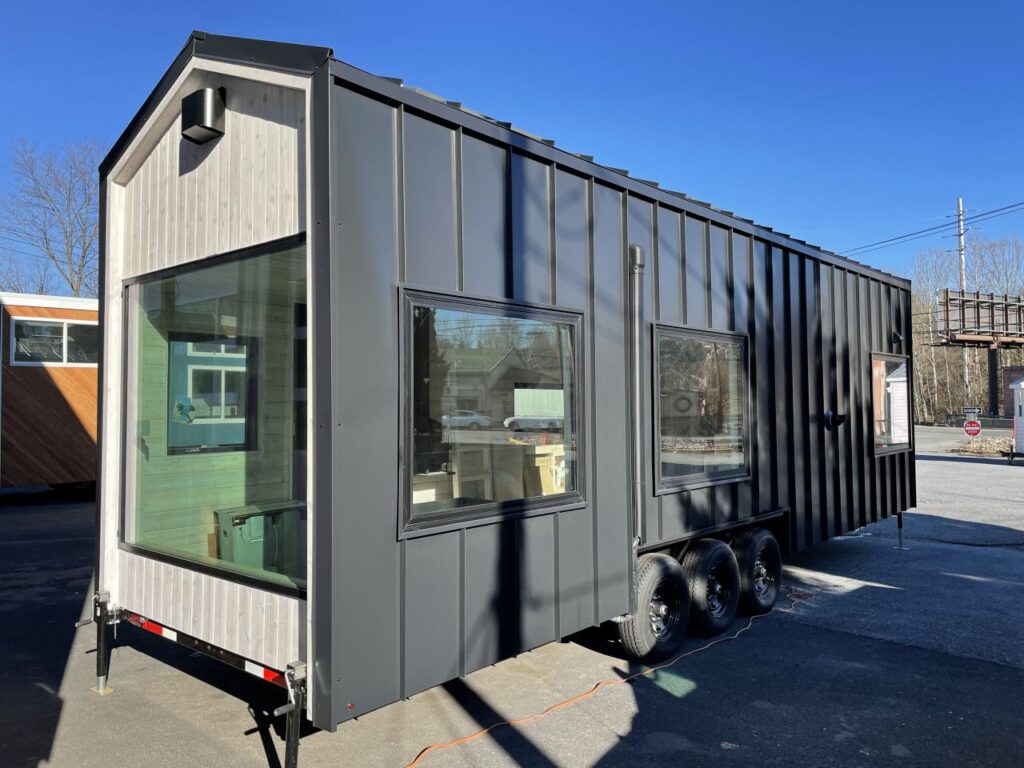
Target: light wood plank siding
171	202
189	201
258	625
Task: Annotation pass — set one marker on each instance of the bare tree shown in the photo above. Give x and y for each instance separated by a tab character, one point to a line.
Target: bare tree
34	277
993	266
53	209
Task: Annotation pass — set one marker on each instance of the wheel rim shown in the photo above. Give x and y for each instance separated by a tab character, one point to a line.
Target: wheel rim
663	612
718	592
763	578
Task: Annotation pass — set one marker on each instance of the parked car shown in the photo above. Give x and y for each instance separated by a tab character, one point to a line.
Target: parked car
520	423
465	420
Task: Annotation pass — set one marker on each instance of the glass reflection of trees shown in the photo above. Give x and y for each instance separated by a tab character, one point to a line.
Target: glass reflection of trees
701	405
493	393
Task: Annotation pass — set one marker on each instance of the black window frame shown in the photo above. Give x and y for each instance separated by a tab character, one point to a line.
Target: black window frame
250	443
241	254
664	486
908	446
495	511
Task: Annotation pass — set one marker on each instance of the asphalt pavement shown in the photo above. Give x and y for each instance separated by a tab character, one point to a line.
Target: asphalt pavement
877	657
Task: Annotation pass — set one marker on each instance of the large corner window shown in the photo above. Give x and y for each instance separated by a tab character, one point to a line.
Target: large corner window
215	371
890	393
492	416
54	342
701	407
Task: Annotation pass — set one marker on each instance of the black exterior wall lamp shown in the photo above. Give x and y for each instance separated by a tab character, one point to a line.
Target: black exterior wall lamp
202	115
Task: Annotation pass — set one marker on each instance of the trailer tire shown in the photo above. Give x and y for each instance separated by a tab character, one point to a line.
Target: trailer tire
663	609
713	575
760	564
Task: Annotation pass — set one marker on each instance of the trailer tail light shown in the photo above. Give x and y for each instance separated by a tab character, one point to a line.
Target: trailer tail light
238	662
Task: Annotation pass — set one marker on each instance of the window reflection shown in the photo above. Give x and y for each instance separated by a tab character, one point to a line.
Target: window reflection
891	403
703	391
492	409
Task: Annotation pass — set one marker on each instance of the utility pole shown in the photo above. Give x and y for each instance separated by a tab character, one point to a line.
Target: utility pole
963	287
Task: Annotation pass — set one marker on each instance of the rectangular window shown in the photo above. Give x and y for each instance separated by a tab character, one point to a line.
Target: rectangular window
701	408
891	402
210	394
53	342
214	474
493	418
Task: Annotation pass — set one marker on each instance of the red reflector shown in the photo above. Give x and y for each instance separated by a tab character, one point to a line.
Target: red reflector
273	677
152	626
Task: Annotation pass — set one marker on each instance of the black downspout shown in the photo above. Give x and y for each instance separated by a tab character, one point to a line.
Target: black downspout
636	307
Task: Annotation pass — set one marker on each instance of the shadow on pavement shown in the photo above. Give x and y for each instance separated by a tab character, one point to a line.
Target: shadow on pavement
961	459
46	547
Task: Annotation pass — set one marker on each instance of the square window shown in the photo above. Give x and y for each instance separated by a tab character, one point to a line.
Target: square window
512	444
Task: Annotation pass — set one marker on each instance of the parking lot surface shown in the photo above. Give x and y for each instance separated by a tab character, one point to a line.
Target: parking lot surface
878	658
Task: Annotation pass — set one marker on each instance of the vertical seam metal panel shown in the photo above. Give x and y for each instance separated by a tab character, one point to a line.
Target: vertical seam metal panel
552	172
460	248
399	145
592	412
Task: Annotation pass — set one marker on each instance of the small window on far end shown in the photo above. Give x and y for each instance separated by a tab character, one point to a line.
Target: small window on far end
891	402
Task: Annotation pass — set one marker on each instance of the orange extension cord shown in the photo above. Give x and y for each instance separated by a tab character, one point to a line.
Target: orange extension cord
795	597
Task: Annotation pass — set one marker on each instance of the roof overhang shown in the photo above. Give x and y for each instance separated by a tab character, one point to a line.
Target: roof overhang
11	299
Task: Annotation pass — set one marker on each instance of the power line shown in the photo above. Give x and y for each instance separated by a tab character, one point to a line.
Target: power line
921	233
8	249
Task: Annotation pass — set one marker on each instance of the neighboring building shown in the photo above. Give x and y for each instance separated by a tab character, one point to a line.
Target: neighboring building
1010	374
50	347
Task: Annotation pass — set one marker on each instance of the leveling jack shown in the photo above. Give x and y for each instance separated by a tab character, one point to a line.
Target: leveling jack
105	619
899	529
295	676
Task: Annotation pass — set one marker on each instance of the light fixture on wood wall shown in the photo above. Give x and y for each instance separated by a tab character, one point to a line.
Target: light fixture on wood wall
202	115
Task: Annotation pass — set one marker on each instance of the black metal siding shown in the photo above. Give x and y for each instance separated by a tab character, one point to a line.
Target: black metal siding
417	203
423	201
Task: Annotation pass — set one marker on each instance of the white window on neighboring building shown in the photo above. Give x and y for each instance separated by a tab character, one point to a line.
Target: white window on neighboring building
37	341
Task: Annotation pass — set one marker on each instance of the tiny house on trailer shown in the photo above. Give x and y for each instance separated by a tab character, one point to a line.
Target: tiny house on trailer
392	390
50	352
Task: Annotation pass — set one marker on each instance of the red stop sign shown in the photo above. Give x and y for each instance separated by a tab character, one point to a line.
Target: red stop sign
972	428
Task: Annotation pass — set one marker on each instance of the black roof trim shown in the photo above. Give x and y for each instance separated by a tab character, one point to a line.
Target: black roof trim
306	59
509	135
288	57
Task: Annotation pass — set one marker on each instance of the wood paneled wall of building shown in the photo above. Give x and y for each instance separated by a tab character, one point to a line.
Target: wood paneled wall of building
47	413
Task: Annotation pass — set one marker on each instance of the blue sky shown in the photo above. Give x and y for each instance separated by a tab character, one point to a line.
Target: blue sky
842	124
